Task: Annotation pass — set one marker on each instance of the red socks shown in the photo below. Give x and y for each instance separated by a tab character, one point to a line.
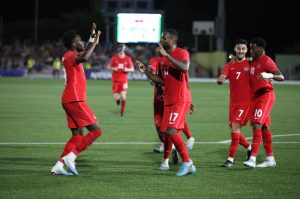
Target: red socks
71	144
243	141
267	140
256	141
186	130
123	103
180	146
87	141
234	144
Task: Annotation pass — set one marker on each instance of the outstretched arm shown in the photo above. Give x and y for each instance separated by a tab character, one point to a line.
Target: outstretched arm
221	79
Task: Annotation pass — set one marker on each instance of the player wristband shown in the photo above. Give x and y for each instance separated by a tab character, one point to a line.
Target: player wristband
267	75
91	40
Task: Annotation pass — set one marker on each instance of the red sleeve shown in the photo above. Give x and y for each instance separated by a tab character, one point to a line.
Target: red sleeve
153	64
130	65
225	70
183	56
271	66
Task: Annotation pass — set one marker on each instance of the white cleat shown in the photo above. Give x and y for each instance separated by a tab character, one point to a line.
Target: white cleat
250	163
164	165
190	143
58	169
69	160
159	148
267	163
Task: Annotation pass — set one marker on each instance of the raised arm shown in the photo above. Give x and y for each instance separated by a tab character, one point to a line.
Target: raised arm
94	40
181	66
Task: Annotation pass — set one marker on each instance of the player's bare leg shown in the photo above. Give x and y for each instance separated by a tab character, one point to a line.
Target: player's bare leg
117	98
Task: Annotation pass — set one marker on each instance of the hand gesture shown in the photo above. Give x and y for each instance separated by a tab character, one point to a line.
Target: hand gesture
160	49
221	79
97	36
93	30
192	109
141	66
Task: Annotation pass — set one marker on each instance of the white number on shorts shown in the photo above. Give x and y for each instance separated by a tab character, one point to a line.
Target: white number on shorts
65	76
258	113
238	75
173	117
241	112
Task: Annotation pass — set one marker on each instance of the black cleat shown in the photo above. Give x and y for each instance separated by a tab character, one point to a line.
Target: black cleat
227	164
175	157
248	154
118	102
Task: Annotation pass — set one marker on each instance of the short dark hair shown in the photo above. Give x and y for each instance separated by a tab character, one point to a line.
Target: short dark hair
69	38
121	47
240	41
172	32
260	42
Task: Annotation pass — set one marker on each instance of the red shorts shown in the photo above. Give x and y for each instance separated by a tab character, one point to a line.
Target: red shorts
79	114
118	87
174	116
158	106
261	109
239	113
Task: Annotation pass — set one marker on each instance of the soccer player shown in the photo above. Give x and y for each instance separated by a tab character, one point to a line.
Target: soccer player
78	113
158	105
177	96
120	65
237	73
263	70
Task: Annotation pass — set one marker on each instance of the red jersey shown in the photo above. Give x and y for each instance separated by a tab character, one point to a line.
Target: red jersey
239	79
264	64
175	81
120	63
75	81
158	89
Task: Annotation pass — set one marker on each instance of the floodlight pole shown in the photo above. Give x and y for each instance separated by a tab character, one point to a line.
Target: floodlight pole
1	28
36	20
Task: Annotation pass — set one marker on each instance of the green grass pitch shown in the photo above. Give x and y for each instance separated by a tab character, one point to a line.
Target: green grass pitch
121	164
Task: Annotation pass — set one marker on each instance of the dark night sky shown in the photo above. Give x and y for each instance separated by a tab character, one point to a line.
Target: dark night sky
275	21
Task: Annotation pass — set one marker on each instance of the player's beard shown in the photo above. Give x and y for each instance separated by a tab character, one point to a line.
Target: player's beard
240	56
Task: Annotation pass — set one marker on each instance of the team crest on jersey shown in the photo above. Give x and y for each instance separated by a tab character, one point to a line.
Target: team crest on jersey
246	68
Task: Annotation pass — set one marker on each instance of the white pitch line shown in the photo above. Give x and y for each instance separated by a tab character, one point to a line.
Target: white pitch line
284	135
141	143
